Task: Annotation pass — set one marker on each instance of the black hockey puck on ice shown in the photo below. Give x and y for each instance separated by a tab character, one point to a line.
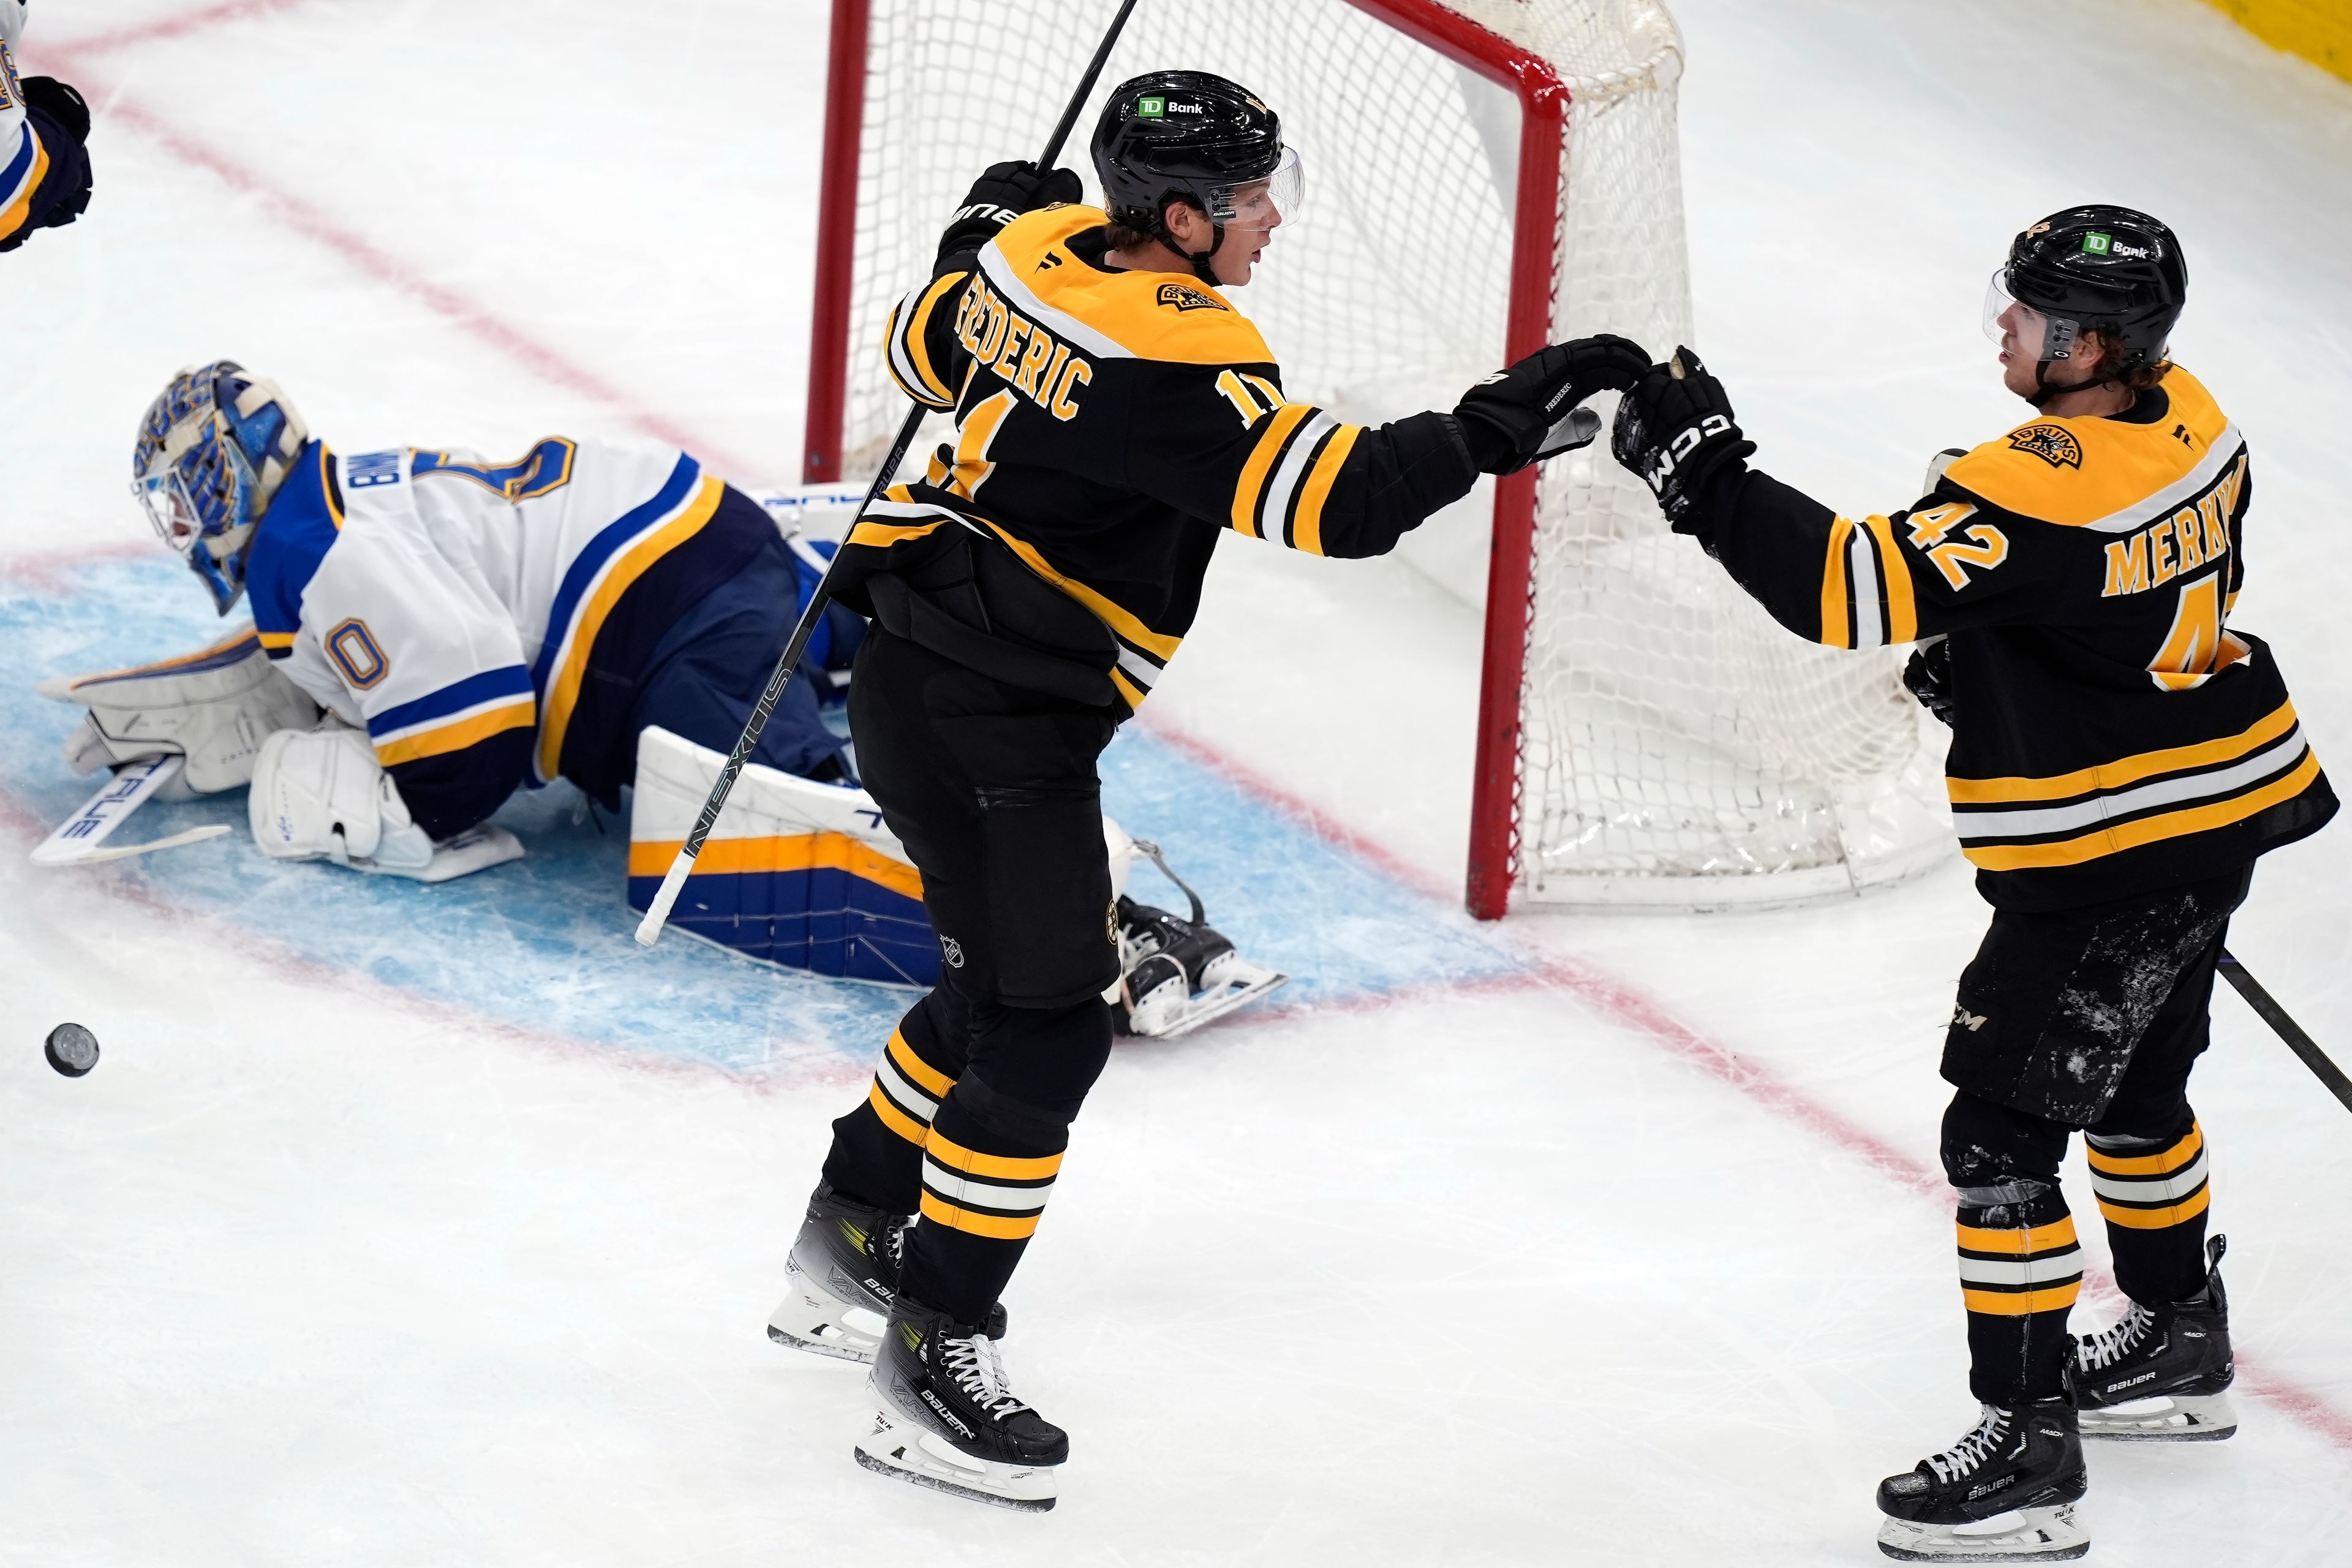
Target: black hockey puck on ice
71	1049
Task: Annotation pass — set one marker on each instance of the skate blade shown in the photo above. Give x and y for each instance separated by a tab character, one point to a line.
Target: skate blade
1212	1004
813	1321
2166	1418
906	1454
2021	1535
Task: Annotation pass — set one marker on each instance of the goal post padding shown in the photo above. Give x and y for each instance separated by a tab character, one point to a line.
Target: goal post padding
1483	176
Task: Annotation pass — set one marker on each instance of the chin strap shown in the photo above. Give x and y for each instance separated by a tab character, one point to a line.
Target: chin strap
2044	392
1199	260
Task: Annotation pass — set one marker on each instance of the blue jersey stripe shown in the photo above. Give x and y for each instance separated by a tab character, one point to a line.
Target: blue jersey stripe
292	538
592	559
14	174
512	681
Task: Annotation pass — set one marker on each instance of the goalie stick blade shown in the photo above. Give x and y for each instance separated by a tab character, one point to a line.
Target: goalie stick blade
77	839
124	851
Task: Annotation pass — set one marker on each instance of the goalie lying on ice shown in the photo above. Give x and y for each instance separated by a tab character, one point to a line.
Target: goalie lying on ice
470	627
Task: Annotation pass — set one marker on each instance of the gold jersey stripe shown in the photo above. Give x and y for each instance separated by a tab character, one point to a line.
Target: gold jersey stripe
915	329
896	1119
520	714
1116	616
2147	829
1837	602
1251	488
2125	770
2020	1303
1000	1227
1307	532
1901	607
1128	688
924	1074
2048	1237
2187	1209
2156	1164
972	1163
882	535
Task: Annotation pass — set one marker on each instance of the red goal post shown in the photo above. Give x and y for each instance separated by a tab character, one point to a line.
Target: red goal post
1641	780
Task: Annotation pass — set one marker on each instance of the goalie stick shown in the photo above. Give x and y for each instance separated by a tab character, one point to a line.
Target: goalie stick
682	866
80	839
2286	1028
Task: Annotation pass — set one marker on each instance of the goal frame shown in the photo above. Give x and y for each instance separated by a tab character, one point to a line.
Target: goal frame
1543	101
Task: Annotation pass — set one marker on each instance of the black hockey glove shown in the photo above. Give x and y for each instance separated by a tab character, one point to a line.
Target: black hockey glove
1520	415
1675	430
61	102
1001	194
61	120
1929	675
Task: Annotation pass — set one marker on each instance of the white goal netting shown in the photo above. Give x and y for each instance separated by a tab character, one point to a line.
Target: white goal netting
1676	748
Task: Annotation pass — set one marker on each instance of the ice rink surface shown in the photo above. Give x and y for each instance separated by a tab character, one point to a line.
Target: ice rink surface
402	1225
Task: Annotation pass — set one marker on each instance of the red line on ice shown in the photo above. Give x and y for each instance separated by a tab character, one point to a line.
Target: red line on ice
365	256
171	27
1627	1004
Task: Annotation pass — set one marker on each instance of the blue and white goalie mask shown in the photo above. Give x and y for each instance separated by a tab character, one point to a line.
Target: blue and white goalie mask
212	450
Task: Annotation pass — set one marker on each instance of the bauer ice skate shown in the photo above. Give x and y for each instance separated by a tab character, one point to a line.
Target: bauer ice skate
1175	974
842	1275
945	1417
2007	1493
2162	1374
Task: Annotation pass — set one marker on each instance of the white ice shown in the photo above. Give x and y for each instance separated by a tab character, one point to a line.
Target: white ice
1642	1259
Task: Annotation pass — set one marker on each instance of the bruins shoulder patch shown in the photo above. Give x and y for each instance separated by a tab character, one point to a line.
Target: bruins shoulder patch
1184	297
2054	444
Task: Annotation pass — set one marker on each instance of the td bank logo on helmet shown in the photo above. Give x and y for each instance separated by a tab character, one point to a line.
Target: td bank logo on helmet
2097	244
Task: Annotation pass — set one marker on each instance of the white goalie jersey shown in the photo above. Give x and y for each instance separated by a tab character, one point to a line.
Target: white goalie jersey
461	612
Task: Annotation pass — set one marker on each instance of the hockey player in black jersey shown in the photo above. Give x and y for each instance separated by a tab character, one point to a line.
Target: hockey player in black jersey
1115	414
2120	756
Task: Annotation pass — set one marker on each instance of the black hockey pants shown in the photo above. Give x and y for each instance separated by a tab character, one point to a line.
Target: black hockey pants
2089	1020
993	792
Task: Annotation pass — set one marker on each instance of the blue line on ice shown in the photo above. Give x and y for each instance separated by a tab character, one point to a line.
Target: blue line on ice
544	943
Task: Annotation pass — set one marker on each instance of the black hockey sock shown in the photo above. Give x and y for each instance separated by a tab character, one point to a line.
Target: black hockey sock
2153	1192
2021	1270
987	1168
877	1149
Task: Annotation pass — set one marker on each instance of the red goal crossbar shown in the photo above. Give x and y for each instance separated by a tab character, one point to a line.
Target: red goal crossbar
1543	114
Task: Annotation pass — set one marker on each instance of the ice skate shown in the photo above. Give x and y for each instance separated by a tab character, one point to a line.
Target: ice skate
843	1274
2161	1374
945	1418
1175	974
2007	1493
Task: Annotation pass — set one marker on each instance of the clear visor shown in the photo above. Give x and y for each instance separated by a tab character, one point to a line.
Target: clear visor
1262	204
2020	329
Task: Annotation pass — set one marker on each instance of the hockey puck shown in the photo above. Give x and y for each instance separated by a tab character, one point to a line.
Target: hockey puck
71	1049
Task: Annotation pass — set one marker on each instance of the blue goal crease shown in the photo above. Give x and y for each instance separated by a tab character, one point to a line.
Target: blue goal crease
544	943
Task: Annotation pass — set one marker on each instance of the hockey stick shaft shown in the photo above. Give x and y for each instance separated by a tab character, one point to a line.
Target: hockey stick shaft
2287	1029
681	865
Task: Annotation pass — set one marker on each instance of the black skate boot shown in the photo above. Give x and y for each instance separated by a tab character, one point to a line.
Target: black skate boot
2004	1493
843	1273
2161	1374
945	1418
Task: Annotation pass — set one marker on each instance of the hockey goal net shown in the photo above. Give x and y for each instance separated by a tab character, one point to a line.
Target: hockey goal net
1647	735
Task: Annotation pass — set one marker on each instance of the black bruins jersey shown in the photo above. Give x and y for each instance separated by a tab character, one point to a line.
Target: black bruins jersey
1111	423
2112	733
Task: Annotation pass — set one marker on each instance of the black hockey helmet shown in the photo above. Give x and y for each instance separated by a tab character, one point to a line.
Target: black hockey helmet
1175	134
2104	270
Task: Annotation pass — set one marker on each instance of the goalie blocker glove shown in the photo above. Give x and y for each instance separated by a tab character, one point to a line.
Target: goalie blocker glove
1000	194
1676	431
1514	416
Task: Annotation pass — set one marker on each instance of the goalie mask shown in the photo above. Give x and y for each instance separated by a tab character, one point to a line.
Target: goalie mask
2102	269
1188	135
212	449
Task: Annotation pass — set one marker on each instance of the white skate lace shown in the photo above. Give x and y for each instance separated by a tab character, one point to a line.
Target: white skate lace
2106	1348
978	1368
1963	1457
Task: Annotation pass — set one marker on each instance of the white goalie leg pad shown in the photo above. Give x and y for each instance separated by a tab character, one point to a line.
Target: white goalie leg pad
320	794
215	706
